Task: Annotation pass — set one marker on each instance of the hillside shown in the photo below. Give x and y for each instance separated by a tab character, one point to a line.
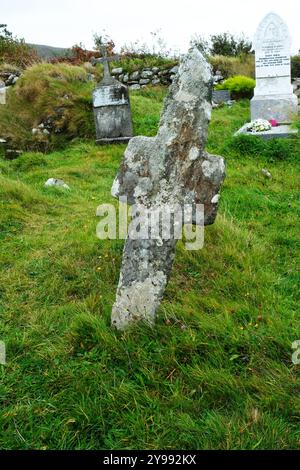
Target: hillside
49	52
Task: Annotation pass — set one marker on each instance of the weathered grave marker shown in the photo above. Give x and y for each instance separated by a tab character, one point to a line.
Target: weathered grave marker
171	169
111	106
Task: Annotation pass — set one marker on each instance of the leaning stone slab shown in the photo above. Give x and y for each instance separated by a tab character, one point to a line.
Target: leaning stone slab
170	169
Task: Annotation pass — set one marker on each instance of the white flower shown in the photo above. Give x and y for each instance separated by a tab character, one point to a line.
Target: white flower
259	125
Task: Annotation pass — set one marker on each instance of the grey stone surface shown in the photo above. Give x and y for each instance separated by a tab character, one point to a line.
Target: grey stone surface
174	70
280	107
134	75
117	71
144	81
221	96
273	72
164	72
147	74
136	86
111	104
171	168
155	81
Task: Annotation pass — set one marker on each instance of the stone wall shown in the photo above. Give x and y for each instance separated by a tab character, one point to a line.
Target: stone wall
152	76
146	76
9	78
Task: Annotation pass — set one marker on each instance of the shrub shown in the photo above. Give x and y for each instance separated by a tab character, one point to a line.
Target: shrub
239	86
296	66
14	51
57	96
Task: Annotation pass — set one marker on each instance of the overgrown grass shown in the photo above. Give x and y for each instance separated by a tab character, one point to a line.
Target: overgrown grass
216	371
61	95
232	66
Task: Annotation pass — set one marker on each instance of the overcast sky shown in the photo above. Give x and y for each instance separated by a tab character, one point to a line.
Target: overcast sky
67	22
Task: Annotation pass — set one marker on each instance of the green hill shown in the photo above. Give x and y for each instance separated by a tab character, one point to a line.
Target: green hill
49	52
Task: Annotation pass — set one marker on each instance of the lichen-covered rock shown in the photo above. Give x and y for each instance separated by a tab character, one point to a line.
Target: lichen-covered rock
144	81
135	86
117	71
147	74
171	168
135	75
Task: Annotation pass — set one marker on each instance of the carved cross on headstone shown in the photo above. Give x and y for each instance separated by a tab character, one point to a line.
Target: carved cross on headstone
105	60
169	169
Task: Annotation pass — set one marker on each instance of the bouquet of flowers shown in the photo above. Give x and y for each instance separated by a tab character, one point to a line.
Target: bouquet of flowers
259	125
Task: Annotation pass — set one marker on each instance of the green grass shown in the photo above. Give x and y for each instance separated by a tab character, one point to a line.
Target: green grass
62	95
215	372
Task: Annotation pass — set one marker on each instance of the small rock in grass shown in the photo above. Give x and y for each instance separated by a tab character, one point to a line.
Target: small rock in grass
266	173
56	182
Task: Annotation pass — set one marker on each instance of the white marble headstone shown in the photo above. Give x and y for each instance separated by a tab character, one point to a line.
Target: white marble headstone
273	96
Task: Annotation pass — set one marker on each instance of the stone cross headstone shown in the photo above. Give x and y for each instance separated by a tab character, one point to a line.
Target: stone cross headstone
169	169
111	106
273	95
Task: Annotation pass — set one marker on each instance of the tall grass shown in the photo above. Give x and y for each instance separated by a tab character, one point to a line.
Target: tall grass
215	372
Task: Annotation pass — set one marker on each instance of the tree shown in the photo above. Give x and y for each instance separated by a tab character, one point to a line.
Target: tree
202	44
104	39
15	51
4	33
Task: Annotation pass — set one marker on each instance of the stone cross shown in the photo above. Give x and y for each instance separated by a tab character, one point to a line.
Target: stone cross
107	79
111	106
169	169
273	95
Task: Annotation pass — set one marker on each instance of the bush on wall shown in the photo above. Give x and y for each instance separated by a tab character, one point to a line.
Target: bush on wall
239	86
14	51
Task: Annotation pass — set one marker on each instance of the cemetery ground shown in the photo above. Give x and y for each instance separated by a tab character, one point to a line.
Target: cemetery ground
216	372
